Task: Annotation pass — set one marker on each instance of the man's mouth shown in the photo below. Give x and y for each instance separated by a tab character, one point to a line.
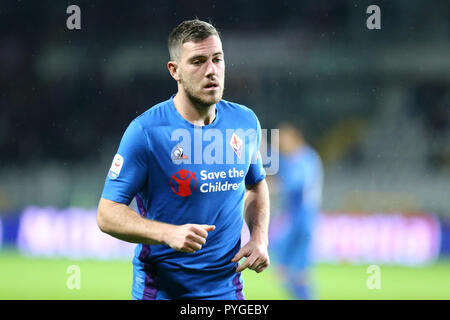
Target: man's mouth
212	86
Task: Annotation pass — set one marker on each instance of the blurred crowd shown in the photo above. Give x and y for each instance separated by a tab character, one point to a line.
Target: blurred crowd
67	96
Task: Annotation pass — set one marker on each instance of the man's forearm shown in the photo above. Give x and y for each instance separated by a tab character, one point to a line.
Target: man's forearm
121	222
257	211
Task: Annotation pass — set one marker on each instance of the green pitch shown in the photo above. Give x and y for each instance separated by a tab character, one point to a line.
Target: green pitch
40	278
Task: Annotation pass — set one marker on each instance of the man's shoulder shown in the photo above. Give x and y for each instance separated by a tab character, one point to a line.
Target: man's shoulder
155	115
234	107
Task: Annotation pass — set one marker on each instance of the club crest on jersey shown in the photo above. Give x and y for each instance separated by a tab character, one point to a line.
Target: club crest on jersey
116	167
236	144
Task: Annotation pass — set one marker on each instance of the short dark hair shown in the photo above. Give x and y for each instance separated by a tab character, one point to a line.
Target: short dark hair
190	30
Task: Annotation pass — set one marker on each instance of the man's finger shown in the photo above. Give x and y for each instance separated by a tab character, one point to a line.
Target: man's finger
253	265
203	229
262	266
243	252
196	238
198	229
194	246
208	227
186	249
242	266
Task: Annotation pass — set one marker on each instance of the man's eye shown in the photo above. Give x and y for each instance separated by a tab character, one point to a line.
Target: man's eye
196	62
217	60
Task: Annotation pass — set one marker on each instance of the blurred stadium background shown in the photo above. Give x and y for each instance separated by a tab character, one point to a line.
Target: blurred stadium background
374	103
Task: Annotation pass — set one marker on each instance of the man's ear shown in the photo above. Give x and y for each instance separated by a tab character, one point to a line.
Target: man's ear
173	69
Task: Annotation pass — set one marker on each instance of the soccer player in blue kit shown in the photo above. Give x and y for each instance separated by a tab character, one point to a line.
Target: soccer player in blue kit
300	180
192	162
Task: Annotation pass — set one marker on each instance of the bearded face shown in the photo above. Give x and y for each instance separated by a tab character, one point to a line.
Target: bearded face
201	71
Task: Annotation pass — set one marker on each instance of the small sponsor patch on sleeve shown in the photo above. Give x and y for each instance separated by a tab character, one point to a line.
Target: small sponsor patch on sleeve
116	166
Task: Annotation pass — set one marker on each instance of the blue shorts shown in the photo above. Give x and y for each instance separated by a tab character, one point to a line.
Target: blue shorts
160	281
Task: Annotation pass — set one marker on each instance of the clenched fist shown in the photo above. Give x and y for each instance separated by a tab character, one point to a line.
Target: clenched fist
187	237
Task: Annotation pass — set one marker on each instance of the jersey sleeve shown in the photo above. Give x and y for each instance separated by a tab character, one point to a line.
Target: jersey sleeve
256	171
129	169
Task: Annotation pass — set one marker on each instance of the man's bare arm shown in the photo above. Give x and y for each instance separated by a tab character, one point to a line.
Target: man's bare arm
257	211
257	215
119	221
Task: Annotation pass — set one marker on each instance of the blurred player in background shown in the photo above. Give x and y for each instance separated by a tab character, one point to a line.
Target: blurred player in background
191	212
299	189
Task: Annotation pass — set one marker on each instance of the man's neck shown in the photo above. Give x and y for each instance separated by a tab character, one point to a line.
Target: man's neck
197	115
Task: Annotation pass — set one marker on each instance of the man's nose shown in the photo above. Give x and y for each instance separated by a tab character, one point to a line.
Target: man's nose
211	69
